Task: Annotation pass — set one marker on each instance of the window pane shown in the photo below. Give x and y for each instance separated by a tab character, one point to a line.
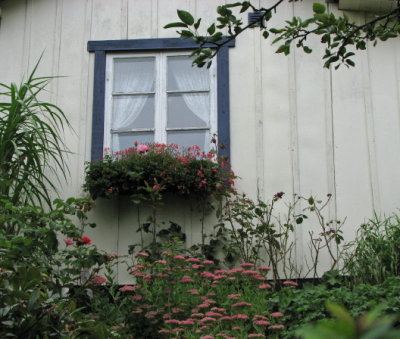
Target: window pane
136	111
190	138
126	140
182	76
134	75
188	110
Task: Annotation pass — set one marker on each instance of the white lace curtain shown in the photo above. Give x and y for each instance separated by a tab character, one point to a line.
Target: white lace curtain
126	109
192	80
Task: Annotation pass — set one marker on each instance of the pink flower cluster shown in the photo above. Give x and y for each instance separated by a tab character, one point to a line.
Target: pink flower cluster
197	298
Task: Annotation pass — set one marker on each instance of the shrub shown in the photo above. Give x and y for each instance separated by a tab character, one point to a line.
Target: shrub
44	283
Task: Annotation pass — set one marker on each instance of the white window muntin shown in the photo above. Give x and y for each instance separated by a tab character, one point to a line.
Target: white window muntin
160	94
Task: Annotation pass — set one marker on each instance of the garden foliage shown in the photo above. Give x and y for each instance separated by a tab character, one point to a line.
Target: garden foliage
375	254
31	150
44	282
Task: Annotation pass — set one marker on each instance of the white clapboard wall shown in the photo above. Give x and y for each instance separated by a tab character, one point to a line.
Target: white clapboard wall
300	128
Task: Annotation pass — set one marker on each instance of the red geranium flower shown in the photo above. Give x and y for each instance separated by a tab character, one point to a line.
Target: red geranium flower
85	240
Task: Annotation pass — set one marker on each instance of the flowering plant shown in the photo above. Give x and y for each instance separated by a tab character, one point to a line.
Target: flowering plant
144	170
186	297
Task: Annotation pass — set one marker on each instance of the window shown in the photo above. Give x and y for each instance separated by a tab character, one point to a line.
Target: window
158	97
165	101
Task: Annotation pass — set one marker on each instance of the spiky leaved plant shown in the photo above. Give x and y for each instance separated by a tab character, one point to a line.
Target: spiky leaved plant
31	150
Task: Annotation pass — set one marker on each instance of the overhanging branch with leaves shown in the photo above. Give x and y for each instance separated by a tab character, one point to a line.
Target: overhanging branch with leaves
338	33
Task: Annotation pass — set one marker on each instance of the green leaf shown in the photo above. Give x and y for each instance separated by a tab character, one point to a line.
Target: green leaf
245	7
186	17
276	31
340	313
350	62
175	24
211	29
307	49
282	49
197	24
318	8
185	34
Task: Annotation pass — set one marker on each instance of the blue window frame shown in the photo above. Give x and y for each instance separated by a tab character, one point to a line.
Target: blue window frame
101	48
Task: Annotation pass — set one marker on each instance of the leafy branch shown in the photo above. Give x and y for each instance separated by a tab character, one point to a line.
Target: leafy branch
338	33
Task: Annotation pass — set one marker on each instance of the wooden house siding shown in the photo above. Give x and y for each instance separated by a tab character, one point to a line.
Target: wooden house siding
300	128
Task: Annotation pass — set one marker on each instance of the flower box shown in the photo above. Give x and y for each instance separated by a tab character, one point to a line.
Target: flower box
145	171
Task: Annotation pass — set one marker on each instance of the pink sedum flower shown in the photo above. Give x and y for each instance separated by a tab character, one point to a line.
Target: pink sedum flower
97	279
225	317
127	288
234	296
277	314
261	322
193	260
250	272
256	335
208	262
242	304
207	319
246	264
240	316
142	254
260	316
186	279
290	283
264	286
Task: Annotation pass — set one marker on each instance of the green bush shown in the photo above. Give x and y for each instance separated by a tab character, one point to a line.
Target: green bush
375	254
307	305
